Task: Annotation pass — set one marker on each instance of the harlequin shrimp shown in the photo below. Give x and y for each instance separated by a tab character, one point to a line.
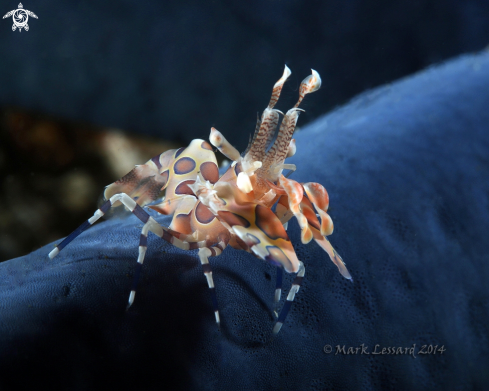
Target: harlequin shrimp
212	212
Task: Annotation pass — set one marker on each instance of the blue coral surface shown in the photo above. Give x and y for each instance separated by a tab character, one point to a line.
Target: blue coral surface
407	170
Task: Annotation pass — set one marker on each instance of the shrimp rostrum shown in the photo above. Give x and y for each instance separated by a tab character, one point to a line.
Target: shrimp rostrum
247	208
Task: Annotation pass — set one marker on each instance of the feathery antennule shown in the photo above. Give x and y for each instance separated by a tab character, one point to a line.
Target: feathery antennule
268	124
280	149
265	135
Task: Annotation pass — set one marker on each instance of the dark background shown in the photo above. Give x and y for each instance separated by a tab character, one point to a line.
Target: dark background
171	70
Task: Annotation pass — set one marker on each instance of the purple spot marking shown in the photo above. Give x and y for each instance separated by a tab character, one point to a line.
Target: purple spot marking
184	166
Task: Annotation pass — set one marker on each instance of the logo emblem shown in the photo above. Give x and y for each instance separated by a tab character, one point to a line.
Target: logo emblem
20	16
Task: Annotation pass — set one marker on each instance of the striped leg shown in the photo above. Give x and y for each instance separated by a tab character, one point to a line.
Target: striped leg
278	289
128	202
204	254
296	284
278	283
143	245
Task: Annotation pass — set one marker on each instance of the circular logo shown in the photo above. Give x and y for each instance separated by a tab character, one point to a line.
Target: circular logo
20	17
